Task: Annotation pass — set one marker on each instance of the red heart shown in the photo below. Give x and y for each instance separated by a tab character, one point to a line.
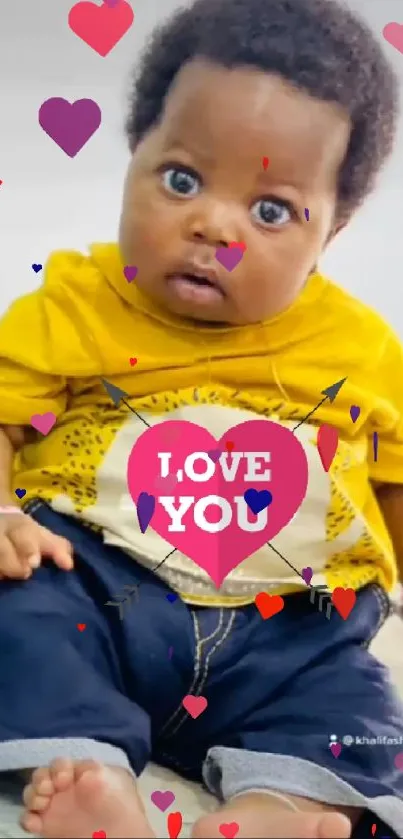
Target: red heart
174	825
240	245
229	830
99	834
344	600
101	27
269	604
133	361
81	626
229	446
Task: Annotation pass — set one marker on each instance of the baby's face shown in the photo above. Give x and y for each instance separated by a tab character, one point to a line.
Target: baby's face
197	182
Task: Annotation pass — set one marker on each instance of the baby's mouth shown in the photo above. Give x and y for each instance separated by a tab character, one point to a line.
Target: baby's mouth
197	285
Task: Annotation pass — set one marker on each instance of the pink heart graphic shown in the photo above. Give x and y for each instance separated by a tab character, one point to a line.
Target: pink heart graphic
215	528
393	33
162	800
43	422
194	705
335	749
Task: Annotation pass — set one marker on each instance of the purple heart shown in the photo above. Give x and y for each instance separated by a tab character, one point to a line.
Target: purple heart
335	749
229	257
111	3
307	574
214	454
130	272
20	493
37	267
355	412
70	125
145	510
257	500
162	800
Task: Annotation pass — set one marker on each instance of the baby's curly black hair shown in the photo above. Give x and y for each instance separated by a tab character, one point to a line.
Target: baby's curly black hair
318	45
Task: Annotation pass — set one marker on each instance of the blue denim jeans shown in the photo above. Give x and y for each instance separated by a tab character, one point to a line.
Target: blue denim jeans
276	689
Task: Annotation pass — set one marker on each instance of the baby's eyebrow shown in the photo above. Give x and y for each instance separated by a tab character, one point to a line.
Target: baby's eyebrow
174	144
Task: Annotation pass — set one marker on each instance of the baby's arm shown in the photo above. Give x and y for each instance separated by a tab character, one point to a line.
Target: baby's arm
23	542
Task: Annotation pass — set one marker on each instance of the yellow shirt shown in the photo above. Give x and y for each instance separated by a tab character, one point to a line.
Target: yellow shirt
86	321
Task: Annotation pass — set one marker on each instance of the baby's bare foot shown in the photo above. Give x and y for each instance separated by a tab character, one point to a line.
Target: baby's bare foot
280	824
69	800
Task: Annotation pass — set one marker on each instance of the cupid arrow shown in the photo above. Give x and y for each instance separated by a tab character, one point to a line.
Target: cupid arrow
118	395
330	393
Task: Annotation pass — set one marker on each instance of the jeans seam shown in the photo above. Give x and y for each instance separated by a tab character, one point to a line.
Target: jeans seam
196	668
384	611
205	674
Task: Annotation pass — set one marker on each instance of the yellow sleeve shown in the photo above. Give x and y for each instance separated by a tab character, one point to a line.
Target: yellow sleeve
27	384
44	340
387	417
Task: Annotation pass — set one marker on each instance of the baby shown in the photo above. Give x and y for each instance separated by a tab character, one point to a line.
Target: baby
223	85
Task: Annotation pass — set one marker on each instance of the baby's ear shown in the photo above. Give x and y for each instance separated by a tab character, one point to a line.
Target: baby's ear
335	230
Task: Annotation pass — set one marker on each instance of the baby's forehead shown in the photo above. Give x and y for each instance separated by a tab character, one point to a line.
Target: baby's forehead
241	113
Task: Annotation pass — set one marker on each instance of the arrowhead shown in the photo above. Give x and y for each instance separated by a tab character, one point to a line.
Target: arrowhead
332	391
116	393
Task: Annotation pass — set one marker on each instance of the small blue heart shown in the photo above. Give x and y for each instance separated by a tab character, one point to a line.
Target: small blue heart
257	500
172	597
37	267
20	493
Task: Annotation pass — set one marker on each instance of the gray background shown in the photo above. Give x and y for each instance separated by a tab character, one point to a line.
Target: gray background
50	201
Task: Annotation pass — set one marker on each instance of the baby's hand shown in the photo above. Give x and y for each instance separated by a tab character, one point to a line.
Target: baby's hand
23	543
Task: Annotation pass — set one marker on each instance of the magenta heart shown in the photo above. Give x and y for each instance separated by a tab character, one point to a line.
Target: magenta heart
130	272
216	528
70	124
214	454
162	800
43	422
335	749
398	760
229	257
112	3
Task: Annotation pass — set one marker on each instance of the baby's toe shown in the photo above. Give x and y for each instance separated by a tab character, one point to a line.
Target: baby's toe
42	781
62	773
34	801
86	766
32	823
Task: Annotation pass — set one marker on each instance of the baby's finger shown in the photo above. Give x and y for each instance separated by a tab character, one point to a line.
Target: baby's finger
25	540
11	565
58	548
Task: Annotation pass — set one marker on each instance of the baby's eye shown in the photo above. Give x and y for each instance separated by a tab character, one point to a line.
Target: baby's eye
270	211
180	180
